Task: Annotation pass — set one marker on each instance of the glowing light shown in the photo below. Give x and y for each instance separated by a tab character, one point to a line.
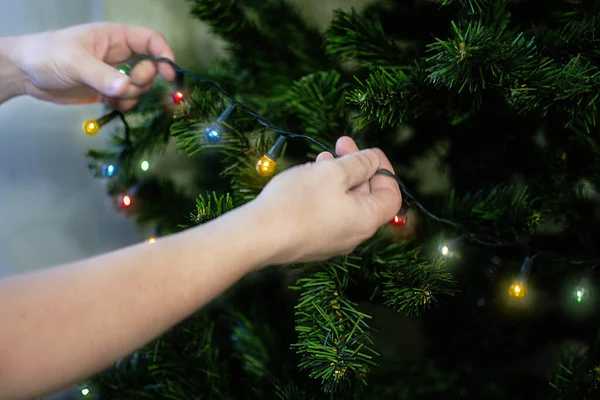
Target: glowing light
517	291
145	165
579	295
445	250
152	240
177	97
91	127
109	170
265	166
399	221
213	135
85	391
126	201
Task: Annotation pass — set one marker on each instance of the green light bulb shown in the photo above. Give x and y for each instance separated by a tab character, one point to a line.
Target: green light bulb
145	165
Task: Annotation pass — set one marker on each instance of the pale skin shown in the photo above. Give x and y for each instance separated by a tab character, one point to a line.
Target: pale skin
65	323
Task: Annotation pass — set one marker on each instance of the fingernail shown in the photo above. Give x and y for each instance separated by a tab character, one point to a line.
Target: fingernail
119	83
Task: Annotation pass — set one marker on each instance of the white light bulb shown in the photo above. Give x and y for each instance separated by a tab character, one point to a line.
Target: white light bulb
445	250
85	391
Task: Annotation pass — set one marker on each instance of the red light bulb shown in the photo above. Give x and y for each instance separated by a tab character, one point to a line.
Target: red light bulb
126	201
399	220
177	97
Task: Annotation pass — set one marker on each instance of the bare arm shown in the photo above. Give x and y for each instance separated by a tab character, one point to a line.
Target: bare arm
11	79
62	325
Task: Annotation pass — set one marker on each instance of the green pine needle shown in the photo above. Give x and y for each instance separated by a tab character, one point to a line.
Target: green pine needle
413	284
334	340
318	99
477	57
387	98
211	207
501	210
360	37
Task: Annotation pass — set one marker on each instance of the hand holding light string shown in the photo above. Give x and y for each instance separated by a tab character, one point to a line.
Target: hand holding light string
266	167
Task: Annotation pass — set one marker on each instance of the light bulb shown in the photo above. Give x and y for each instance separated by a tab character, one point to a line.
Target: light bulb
124	69
213	134
265	166
152	240
445	250
91	127
177	97
399	220
517	290
85	391
579	294
109	170
145	165
126	201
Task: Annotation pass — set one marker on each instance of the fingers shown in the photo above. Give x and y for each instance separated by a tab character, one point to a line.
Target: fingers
101	76
324	156
143	41
385	191
359	167
344	146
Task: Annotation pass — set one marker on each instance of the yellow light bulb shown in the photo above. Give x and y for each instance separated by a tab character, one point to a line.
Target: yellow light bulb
91	127
152	240
265	166
517	291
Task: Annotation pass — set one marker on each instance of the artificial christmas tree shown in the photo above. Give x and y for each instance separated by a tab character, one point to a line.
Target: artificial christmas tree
497	276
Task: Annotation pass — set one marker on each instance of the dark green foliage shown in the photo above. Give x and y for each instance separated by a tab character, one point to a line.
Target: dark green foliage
501	210
388	97
413	284
503	93
334	341
361	38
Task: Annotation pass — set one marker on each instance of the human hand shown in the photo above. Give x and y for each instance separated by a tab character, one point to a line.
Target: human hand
77	65
327	208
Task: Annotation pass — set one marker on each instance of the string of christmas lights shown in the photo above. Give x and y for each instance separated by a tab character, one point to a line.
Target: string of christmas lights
265	166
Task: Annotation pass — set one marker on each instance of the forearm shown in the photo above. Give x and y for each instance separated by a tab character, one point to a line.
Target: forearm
11	79
70	322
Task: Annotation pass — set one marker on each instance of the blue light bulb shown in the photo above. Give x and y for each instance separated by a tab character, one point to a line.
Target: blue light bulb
109	170
213	134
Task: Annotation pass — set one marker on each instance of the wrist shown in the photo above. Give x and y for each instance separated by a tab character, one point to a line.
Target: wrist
11	77
249	235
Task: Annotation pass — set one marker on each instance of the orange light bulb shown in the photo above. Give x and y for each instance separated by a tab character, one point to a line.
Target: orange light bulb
265	166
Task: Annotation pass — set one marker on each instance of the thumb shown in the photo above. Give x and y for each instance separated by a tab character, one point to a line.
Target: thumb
102	77
359	167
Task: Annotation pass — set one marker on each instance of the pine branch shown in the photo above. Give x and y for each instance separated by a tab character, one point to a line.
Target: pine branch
575	379
576	38
281	19
388	98
334	340
318	100
474	6
211	207
360	37
478	57
161	370
571	90
227	19
251	351
414	284
502	210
